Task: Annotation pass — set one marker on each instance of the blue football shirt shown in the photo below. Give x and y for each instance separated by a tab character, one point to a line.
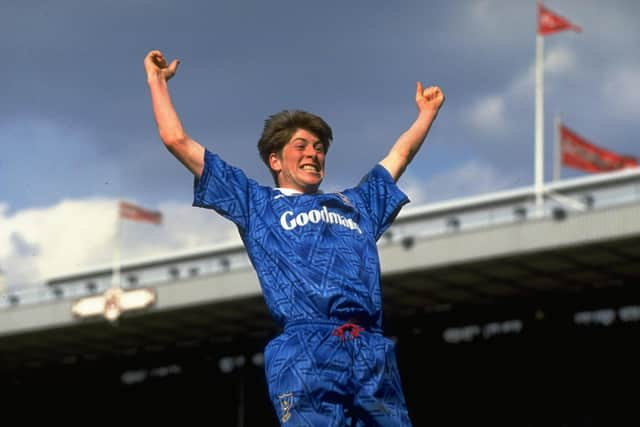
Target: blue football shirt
315	254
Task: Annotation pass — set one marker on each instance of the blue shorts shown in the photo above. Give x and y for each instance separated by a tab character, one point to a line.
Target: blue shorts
322	373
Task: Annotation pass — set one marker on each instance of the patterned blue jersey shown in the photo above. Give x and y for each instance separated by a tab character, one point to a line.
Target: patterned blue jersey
315	254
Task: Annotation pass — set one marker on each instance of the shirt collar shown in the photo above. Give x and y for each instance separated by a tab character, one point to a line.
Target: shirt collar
292	192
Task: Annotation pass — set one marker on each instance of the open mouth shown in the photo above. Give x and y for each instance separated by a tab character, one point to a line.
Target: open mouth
310	168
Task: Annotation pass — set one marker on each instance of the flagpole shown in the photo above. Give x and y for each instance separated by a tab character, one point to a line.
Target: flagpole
115	279
557	149
539	127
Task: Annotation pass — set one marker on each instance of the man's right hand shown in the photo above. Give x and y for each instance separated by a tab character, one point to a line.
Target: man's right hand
156	66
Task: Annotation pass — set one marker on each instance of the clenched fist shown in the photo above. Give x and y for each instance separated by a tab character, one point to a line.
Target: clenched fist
156	66
429	99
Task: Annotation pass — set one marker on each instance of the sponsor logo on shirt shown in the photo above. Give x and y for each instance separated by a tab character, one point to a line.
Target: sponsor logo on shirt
289	221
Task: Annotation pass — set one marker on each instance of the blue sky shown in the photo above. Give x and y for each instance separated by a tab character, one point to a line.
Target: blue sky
78	134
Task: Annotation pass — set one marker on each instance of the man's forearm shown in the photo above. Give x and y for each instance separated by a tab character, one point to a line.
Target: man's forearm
169	124
408	144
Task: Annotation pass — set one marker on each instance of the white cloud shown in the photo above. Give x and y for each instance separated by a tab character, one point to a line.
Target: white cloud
559	59
414	189
621	91
37	244
469	179
488	115
523	85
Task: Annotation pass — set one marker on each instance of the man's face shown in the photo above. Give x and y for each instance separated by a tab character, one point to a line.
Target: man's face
300	166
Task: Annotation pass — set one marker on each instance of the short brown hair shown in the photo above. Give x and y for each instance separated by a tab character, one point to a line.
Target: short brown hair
280	127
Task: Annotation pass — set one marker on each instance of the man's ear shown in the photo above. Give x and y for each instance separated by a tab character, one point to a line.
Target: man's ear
275	163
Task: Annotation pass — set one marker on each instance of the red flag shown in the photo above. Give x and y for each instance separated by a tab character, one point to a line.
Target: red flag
578	153
136	213
549	22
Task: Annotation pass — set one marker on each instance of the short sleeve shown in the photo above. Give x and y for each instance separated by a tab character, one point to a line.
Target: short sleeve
223	188
382	197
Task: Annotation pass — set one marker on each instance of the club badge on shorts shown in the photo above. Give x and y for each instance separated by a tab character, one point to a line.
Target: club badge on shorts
286	404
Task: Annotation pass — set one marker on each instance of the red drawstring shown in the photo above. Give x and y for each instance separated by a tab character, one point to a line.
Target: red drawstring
355	330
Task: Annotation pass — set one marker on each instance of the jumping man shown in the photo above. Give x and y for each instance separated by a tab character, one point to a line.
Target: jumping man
315	256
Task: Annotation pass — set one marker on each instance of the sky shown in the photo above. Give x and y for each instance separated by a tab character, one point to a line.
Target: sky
78	134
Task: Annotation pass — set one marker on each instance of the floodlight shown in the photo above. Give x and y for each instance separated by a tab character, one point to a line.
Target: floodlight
113	302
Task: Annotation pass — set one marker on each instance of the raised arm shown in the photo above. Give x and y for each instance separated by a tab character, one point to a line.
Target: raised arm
172	134
428	101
